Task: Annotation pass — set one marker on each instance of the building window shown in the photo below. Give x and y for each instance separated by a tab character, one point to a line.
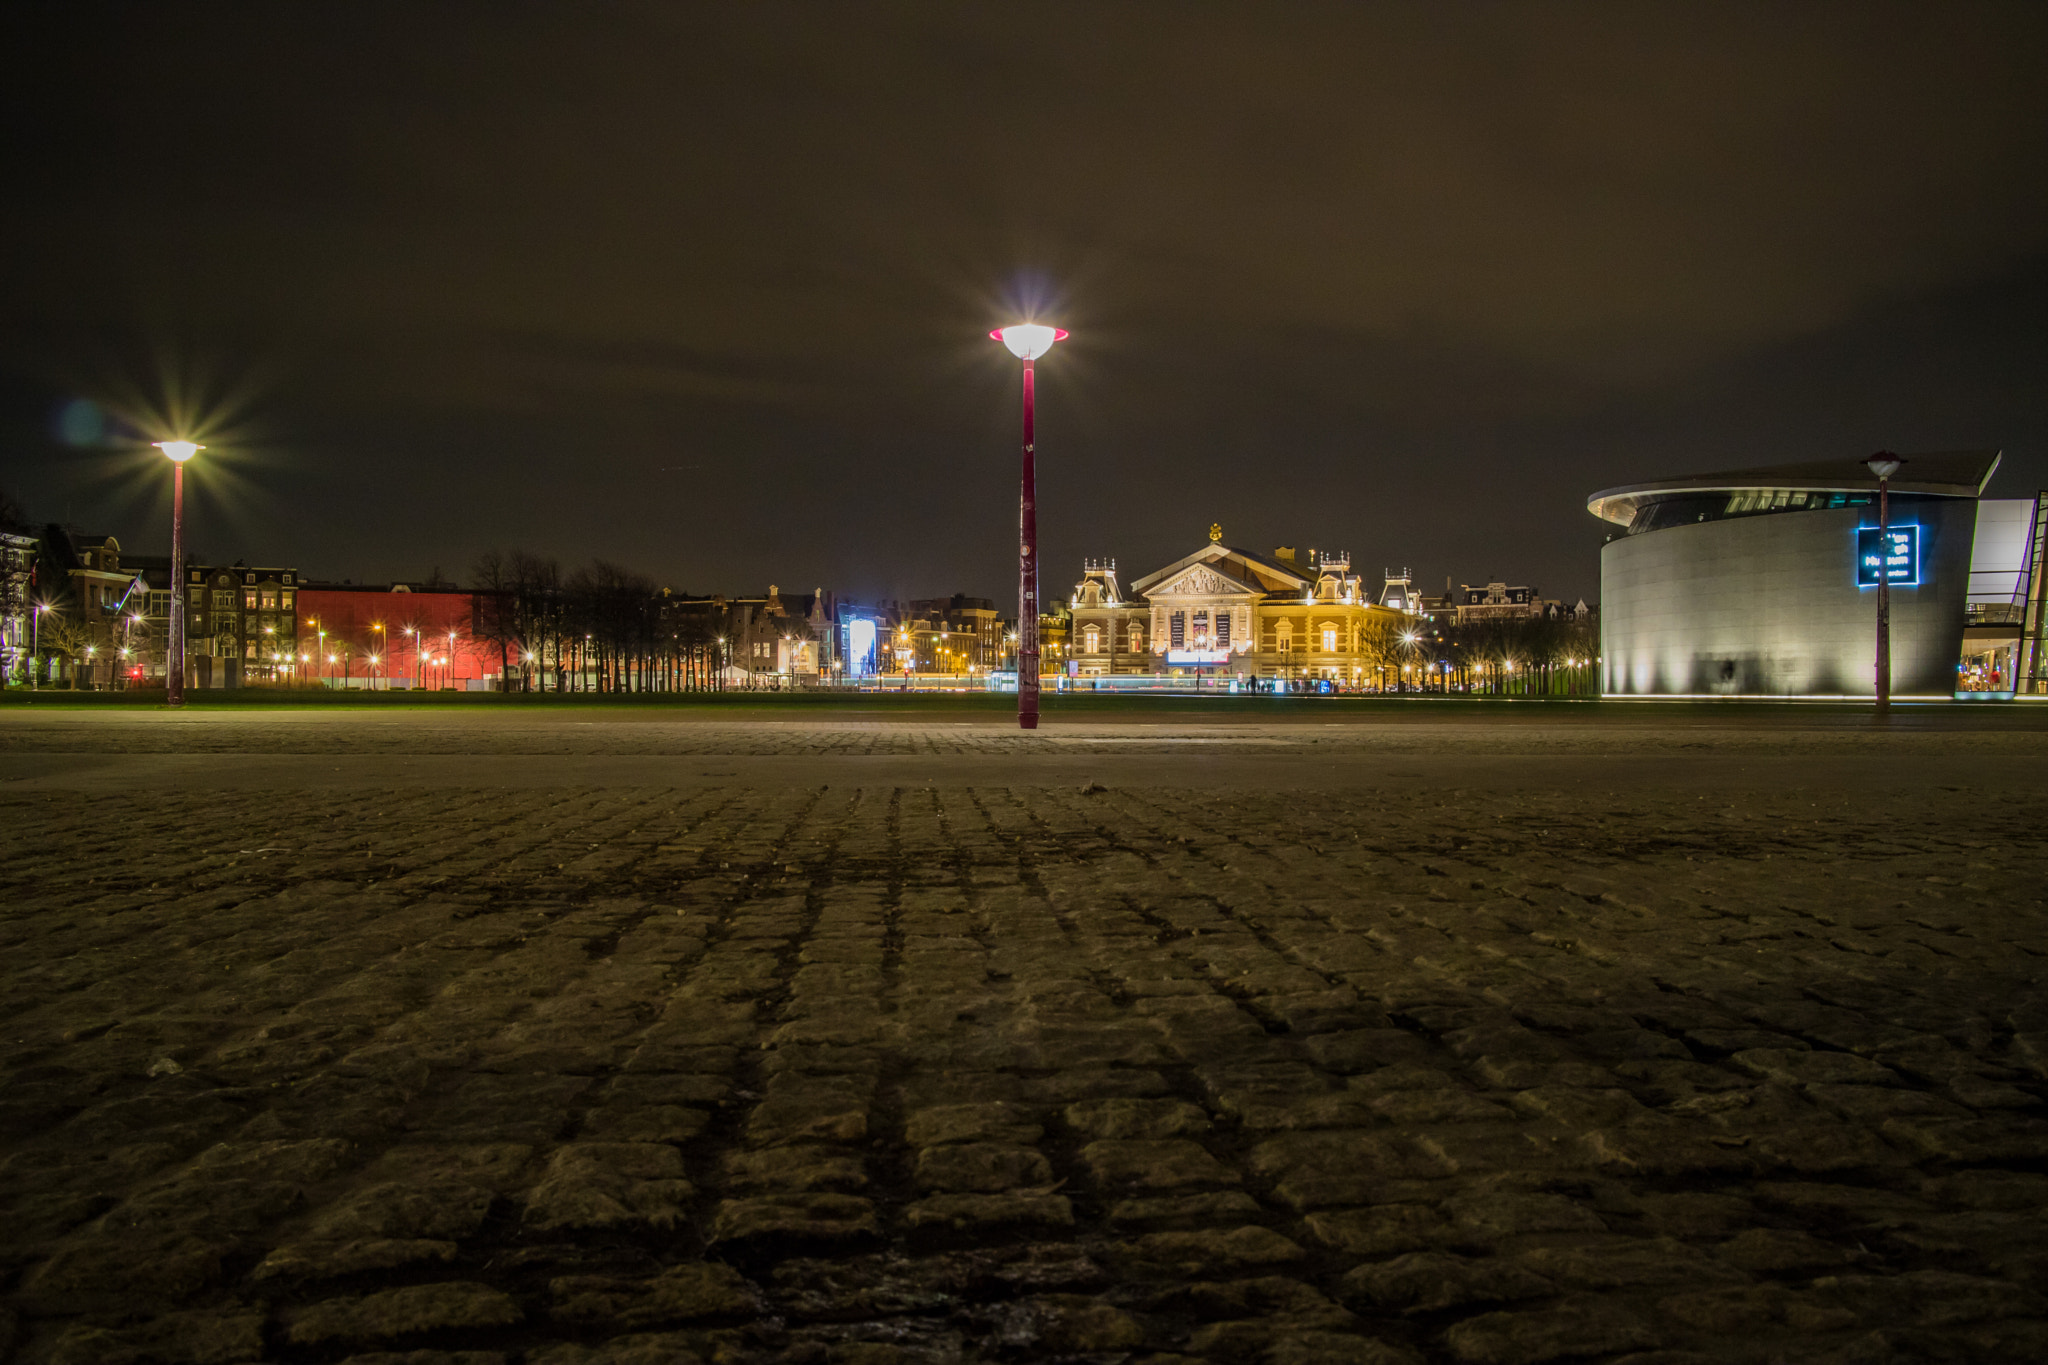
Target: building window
1222	629
1283	636
1177	630
1091	640
1137	639
270	601
248	601
249	650
1329	639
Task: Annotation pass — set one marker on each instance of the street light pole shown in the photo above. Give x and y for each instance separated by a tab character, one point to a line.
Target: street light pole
1028	341
174	653
1884	464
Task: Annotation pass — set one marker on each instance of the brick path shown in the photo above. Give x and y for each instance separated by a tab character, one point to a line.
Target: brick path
1021	1073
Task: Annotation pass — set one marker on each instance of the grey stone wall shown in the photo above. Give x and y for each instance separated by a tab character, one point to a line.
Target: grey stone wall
1769	605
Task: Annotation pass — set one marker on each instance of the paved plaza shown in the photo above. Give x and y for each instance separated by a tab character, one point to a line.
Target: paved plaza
564	1035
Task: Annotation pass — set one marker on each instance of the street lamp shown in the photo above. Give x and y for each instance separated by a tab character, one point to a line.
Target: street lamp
1884	464
1028	341
174	658
35	645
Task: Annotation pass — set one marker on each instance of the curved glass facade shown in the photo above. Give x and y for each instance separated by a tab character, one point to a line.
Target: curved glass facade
1689	509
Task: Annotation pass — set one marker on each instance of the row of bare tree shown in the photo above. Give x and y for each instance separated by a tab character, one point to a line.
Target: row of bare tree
1540	656
600	627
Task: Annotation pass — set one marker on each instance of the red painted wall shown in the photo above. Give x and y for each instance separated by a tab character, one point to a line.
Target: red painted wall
350	616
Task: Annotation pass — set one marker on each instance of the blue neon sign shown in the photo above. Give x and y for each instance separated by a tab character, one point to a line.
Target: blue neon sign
1901	558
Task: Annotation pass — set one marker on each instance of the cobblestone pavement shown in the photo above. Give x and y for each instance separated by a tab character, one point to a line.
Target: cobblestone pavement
1024	1072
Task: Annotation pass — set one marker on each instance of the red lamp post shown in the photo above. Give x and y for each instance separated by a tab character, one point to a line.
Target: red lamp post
174	653
1884	464
1028	341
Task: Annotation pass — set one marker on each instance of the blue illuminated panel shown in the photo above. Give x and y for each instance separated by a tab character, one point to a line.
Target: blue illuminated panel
1901	557
860	646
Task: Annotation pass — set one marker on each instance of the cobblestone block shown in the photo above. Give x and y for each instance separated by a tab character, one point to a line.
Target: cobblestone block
1210	1253
1575	1327
992	1122
443	1306
980	1167
796	1218
606	1185
1426	1282
1067	1323
1158	1164
1125	1119
679	1294
981	1212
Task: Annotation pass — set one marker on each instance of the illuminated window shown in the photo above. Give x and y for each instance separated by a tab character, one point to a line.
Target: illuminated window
1283	635
1091	640
1177	630
1137	639
1329	639
1222	628
248	601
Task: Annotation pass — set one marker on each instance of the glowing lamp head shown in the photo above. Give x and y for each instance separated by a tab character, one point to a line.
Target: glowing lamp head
1029	340
180	451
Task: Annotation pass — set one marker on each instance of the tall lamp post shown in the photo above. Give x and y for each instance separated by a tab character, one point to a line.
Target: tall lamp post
1884	464
174	652
1028	341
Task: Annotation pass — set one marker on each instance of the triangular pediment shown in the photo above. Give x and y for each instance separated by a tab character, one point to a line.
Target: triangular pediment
1246	572
1203	580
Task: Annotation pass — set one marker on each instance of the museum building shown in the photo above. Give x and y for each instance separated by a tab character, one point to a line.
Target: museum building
1760	582
1231	613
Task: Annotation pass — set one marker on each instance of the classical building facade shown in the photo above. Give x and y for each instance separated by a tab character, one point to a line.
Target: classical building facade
1233	613
240	623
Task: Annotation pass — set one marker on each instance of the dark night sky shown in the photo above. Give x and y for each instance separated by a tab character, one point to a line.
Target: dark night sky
705	289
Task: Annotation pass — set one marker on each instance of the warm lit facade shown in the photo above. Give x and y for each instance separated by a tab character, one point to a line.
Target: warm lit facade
1231	613
948	635
240	623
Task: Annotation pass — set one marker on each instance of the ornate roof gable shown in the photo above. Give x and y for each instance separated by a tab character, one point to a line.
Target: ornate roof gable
1202	581
1241	570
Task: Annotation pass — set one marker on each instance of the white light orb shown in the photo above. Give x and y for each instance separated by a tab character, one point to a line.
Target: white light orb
1029	340
180	451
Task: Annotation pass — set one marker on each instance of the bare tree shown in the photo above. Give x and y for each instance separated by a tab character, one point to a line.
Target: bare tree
496	617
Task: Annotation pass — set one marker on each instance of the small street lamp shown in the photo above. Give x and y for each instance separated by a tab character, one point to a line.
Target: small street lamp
1028	341
1884	464
35	644
174	657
